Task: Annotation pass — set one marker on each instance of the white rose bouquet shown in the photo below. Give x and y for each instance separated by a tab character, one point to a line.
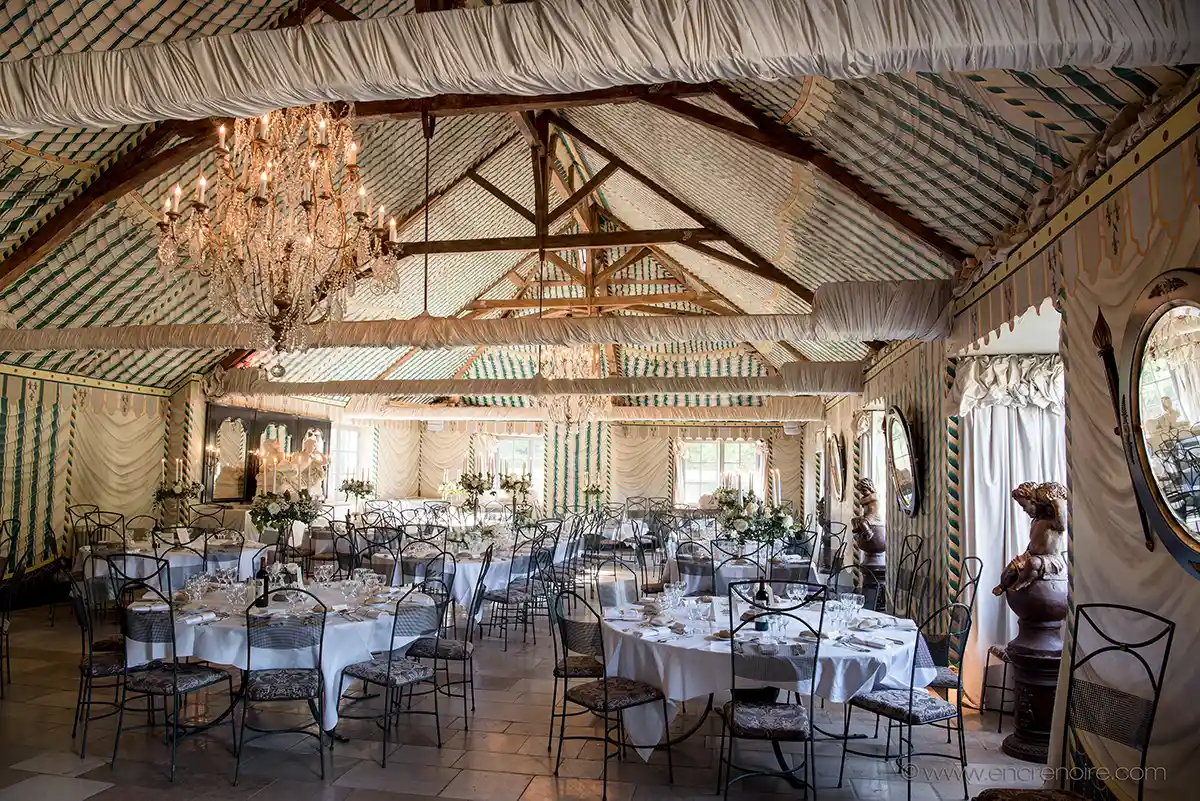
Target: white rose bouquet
176	491
278	510
356	487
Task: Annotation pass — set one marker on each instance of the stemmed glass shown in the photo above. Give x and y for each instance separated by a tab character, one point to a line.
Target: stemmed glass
323	574
351	587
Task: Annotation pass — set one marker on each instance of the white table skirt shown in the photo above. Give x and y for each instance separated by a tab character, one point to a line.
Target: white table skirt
223	642
693	666
137	568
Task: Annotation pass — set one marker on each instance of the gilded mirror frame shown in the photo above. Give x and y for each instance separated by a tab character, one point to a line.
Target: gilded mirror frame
896	417
1166	292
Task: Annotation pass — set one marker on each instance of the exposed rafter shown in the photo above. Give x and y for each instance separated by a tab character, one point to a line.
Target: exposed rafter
600	239
611	301
769	134
762	267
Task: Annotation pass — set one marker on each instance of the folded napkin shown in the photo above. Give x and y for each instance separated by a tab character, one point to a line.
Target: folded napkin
622	614
195	618
149	606
339	607
867	641
653	634
901	623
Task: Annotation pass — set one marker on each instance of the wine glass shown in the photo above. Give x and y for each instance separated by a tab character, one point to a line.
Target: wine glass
351	587
323	574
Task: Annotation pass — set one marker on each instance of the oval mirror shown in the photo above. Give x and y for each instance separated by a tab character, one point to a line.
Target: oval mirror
835	457
1163	384
902	463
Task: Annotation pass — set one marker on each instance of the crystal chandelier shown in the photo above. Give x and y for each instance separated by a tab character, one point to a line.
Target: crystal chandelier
561	362
285	229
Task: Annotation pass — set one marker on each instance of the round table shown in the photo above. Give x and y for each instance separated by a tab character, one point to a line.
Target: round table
223	642
182	562
741	570
691	666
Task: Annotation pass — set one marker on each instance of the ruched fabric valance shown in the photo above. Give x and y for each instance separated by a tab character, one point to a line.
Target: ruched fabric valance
772	410
1009	380
843	311
558	46
795	378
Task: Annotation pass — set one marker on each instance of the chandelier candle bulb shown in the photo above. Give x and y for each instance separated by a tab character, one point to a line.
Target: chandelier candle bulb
321	132
392	230
262	185
221	137
266	121
352	155
176	194
201	186
362	201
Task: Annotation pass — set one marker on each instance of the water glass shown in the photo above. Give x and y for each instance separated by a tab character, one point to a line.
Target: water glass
323	574
350	589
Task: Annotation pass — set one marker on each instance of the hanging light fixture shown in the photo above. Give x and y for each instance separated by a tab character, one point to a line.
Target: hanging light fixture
285	228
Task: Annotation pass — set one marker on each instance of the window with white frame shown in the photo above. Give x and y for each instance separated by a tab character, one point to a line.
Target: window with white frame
873	458
520	455
350	456
701	462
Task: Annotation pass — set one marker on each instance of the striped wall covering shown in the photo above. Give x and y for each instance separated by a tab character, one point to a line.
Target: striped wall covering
570	452
953	489
61	444
912	378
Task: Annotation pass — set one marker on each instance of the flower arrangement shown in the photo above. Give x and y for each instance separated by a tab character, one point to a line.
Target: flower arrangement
357	487
449	490
750	520
517	485
272	510
476	484
181	490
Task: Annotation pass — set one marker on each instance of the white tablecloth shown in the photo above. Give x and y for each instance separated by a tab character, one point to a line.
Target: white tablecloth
693	666
179	560
223	642
733	571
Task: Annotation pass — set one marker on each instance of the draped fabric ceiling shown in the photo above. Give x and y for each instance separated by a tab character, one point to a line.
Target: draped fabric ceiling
962	153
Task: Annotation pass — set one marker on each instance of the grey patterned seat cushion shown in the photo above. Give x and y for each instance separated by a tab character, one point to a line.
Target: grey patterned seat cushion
1025	794
761	720
947	679
282	684
400	673
458	650
893	704
109	644
103	664
622	694
159	680
508	595
578	667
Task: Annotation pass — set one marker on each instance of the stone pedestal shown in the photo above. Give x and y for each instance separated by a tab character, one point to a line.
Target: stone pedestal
879	570
1035	652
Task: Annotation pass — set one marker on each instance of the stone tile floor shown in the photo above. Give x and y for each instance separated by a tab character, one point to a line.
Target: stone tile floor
501	758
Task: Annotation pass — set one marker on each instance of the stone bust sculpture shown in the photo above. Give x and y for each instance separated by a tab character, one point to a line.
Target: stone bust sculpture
870	535
1046	504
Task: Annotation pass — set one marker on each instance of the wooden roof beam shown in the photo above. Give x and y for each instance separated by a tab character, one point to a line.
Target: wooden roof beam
762	267
500	194
627	259
583	303
582	192
601	239
769	134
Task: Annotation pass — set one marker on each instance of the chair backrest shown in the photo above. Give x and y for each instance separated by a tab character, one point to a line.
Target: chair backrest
136	568
413	620
378	547
912	582
106	528
694	561
581	632
189	561
148	626
302	634
81	606
437	512
1125	715
789	665
616	583
223	550
480	588
141	528
857	580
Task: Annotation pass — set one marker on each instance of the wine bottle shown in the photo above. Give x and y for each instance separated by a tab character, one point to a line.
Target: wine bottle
762	599
262	583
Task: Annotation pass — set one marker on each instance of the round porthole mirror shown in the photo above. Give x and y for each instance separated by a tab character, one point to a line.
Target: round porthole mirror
1161	396
902	463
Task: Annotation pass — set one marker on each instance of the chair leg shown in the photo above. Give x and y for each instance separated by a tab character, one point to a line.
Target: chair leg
846	734
78	705
562	730
553	713
437	720
239	743
86	709
667	733
120	720
174	723
388	699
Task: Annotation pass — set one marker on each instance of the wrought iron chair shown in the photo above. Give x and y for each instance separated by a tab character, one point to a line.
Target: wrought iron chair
106	530
303	637
748	717
696	568
949	676
379	549
454	650
223	550
606	696
153	627
1123	716
96	664
124	569
621	586
396	672
141	528
916	706
10	586
511	604
910	583
860	581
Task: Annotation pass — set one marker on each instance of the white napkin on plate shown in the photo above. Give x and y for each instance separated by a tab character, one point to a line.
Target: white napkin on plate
867	641
653	634
195	618
616	615
149	606
901	623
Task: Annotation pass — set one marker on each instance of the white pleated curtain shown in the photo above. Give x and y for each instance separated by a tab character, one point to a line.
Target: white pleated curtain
1013	430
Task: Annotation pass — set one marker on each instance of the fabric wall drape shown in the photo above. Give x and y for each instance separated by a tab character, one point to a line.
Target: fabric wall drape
641	466
399	460
441	451
1002	447
116	460
787	456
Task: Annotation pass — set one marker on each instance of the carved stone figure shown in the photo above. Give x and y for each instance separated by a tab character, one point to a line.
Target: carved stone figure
1035	586
1046	504
870	535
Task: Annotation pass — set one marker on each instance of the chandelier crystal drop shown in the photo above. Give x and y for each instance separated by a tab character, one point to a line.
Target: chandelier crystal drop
562	362
285	228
